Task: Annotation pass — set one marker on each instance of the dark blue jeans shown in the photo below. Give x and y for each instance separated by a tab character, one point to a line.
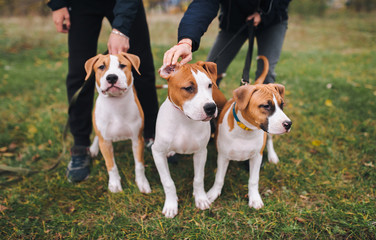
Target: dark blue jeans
269	44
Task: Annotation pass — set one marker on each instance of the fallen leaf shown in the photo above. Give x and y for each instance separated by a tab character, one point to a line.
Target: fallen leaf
32	130
35	157
303	197
370	164
299	219
3	208
328	103
7	154
316	143
12	146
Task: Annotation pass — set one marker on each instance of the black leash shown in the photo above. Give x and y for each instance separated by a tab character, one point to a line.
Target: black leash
248	60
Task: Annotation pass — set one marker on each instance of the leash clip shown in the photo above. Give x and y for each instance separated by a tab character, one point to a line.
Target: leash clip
244	82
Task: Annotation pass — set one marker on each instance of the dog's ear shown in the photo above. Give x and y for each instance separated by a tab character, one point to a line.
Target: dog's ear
135	60
167	71
280	88
243	94
89	65
211	69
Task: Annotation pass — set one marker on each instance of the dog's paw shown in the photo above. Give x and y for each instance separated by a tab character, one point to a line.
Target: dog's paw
273	157
255	201
143	185
94	148
170	209
115	187
213	194
202	202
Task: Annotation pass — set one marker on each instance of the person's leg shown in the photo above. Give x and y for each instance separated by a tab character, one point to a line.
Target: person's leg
82	45
269	43
226	57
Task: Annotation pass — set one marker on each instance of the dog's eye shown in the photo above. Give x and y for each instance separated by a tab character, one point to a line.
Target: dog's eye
282	105
265	106
101	67
122	66
210	85
189	89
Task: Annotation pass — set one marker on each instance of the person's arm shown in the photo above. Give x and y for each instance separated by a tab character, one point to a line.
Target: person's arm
192	27
196	20
124	15
60	15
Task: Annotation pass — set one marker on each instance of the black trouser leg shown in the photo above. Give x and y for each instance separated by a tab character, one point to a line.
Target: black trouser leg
82	43
145	84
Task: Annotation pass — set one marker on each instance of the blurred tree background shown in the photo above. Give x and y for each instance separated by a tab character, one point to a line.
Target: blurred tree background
300	7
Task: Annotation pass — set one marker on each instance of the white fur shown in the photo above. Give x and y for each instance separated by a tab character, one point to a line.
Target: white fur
175	132
118	118
277	119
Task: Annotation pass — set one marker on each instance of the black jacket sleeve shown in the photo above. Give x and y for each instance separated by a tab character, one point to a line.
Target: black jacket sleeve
125	12
278	12
196	20
57	4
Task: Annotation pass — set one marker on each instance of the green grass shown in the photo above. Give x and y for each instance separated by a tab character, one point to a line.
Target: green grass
323	187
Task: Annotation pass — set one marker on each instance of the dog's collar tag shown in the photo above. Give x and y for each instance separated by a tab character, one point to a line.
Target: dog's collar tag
240	124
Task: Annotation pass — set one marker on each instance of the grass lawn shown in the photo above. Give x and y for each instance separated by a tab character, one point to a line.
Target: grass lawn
323	187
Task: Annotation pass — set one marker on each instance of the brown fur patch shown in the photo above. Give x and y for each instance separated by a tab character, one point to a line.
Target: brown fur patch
265	71
263	95
141	142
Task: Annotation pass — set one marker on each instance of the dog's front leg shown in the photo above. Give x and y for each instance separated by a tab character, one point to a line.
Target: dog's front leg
170	208
201	199
255	200
272	155
222	164
138	153
107	150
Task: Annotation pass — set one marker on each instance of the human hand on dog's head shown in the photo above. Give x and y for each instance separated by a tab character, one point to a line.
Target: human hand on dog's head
181	50
117	43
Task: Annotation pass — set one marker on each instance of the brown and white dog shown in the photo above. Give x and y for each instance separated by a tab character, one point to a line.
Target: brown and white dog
243	127
117	114
183	126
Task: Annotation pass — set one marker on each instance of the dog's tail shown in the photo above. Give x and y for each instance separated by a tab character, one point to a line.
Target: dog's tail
264	73
161	86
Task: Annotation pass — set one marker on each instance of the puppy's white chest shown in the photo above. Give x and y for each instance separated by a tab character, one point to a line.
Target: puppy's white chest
239	144
176	132
188	141
116	120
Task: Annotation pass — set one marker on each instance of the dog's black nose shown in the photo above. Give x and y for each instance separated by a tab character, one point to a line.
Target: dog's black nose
210	108
112	78
287	125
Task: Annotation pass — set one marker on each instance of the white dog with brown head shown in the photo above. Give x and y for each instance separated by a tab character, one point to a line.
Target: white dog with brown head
117	114
183	126
242	133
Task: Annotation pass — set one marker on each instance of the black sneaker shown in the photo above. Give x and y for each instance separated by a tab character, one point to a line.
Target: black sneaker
79	167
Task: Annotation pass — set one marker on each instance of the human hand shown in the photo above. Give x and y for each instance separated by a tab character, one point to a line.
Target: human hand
61	19
117	43
256	18
183	49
